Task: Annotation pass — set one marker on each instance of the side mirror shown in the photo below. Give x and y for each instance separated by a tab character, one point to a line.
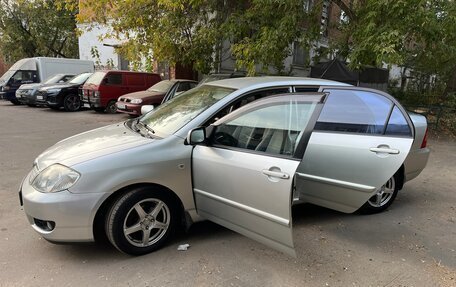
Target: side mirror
146	108
196	136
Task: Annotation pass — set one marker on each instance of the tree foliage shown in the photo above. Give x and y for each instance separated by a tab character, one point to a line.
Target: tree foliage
191	31
38	28
419	34
416	34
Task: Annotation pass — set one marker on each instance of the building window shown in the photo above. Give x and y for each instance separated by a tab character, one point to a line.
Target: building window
300	55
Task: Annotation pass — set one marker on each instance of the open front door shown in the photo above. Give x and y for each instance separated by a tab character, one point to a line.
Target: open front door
244	178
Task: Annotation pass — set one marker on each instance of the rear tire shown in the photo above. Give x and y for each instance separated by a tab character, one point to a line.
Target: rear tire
141	221
72	103
383	197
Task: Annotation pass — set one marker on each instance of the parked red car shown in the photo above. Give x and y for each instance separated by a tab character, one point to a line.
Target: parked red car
103	88
132	103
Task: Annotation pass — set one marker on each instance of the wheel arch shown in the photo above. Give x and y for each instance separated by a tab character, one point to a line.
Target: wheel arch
98	229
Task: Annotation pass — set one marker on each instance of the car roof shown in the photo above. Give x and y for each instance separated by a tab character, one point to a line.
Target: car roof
239	83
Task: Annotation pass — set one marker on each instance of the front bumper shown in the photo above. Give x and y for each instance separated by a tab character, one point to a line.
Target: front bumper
91	101
131	109
72	214
24	97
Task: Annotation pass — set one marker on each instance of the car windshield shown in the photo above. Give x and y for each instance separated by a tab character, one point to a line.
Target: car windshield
54	79
96	78
162	86
174	114
80	79
6	76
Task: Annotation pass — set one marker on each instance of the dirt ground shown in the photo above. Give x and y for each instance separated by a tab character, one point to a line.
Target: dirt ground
411	244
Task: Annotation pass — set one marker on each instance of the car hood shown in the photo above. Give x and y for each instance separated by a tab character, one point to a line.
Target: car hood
143	95
89	145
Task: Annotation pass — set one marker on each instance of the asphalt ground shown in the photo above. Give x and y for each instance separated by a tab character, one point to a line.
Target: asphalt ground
411	244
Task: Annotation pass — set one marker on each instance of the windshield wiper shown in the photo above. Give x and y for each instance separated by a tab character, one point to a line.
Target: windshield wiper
150	131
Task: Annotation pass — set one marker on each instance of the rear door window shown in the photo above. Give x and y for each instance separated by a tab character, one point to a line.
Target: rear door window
397	124
354	112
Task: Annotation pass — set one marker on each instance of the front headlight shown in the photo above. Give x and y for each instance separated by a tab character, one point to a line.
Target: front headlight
136	101
55	178
53	91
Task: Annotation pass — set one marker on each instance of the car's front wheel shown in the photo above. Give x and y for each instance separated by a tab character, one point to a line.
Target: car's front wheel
72	103
111	107
383	197
141	221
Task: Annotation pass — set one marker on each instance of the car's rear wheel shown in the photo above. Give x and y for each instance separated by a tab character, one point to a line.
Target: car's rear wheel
141	221
111	107
383	197
72	103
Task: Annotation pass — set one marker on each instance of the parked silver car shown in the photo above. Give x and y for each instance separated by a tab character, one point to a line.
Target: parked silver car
238	152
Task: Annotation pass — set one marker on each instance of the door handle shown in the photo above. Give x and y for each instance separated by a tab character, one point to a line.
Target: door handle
277	174
384	150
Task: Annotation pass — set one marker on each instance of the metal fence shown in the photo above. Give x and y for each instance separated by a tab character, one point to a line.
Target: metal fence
435	114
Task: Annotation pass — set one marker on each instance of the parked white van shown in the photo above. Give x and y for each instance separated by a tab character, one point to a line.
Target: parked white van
37	70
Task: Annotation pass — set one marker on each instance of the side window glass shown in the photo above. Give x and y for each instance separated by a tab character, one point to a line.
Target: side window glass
114	79
66	78
354	112
248	99
397	124
273	128
182	87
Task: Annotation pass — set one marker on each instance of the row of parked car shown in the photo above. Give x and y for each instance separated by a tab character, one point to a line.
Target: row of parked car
103	91
71	84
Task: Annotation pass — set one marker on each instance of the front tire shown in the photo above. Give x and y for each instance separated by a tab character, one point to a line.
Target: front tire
383	197
111	108
15	102
141	221
72	103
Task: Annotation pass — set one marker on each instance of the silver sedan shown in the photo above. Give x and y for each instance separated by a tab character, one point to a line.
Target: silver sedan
238	152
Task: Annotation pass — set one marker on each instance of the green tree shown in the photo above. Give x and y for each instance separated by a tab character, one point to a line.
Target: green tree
191	32
182	31
418	34
38	28
415	34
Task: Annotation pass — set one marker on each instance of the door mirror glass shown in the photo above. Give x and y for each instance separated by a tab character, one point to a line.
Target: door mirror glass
196	136
146	108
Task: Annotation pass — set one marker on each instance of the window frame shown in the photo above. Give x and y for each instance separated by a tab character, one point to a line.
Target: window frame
327	91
